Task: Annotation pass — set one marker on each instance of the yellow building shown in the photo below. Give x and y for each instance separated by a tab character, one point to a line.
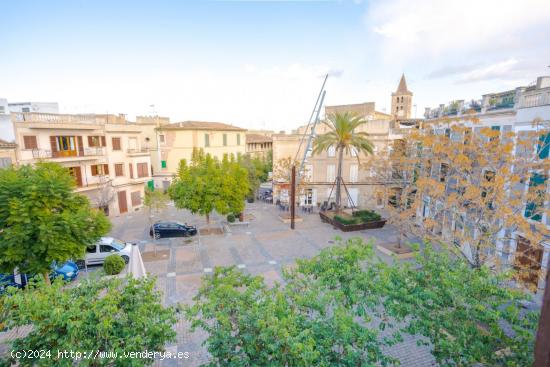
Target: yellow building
258	145
178	140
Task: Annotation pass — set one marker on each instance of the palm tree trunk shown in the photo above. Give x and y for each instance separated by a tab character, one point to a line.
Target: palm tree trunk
339	178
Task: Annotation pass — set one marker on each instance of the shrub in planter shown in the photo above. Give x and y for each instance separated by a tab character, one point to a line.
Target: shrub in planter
367	215
346	221
231	217
113	264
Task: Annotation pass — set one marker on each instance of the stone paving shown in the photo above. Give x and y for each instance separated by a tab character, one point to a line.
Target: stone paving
262	248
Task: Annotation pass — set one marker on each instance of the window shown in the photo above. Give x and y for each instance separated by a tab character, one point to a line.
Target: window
535	197
238	139
443	170
486	187
116	144
65	143
308	197
353	173
331	173
96	141
136	198
379	199
495	128
77	175
163	164
100	169
132	144
119	169
5	162
331	152
30	142
206	140
2	109
25	109
161	138
543	147
467	136
91	249
224	140
142	170
106	248
131	168
353	152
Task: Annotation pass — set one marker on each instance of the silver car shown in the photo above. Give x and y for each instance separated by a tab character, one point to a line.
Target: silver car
96	254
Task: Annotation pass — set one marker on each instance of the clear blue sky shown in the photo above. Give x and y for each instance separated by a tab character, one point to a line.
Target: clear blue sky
258	63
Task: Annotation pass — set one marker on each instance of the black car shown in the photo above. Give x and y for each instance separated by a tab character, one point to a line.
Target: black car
171	229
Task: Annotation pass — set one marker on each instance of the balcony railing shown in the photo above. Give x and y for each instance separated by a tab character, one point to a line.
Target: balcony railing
138	150
59	118
86	152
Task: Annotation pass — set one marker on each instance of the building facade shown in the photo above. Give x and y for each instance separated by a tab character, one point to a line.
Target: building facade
508	111
104	153
401	101
317	185
8	155
258	145
178	140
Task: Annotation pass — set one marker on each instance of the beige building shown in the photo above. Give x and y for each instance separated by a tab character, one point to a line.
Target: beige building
7	154
178	140
320	170
258	145
106	154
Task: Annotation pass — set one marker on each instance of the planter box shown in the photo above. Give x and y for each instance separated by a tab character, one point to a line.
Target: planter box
351	227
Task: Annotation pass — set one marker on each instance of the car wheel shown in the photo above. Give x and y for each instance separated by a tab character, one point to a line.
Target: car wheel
126	259
157	236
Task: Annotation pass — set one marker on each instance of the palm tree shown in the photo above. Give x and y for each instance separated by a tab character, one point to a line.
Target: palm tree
343	137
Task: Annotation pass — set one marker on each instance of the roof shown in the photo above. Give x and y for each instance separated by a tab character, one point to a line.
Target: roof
258	138
5	144
201	125
402	87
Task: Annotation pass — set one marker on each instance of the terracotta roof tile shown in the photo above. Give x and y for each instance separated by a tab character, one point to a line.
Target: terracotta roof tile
258	138
201	125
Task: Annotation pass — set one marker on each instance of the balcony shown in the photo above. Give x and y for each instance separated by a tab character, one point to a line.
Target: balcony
68	154
134	152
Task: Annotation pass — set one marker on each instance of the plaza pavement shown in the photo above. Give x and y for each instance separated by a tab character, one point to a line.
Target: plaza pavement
262	248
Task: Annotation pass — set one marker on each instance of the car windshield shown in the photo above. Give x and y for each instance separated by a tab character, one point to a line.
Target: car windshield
119	245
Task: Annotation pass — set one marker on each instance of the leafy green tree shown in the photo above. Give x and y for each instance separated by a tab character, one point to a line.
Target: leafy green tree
207	184
155	200
343	136
104	316
43	220
330	311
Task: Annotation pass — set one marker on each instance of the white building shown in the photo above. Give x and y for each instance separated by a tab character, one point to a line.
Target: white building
510	111
104	153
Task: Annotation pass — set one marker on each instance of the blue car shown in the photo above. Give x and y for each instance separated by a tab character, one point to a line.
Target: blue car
68	270
7	280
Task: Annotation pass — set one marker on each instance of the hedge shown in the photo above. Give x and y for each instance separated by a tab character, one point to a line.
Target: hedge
113	264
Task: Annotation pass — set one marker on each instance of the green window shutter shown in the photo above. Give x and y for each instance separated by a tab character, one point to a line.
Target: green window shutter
224	140
206	140
544	146
537	179
238	139
163	164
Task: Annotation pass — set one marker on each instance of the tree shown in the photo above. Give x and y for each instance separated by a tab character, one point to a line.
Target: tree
343	136
43	220
106	317
331	309
155	200
207	184
105	195
477	186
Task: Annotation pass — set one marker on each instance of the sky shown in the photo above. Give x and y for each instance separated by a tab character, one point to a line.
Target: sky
259	64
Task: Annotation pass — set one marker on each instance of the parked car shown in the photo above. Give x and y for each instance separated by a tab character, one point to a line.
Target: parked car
96	253
171	229
68	270
7	280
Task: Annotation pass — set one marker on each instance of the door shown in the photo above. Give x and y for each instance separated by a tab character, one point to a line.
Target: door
104	251
92	254
528	262
80	146
353	197
122	204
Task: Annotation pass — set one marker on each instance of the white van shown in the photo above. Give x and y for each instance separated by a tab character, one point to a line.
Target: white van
96	254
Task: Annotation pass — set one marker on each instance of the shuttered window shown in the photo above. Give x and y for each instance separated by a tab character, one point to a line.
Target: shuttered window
100	169
142	170
119	169
30	142
116	144
131	167
136	198
96	141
